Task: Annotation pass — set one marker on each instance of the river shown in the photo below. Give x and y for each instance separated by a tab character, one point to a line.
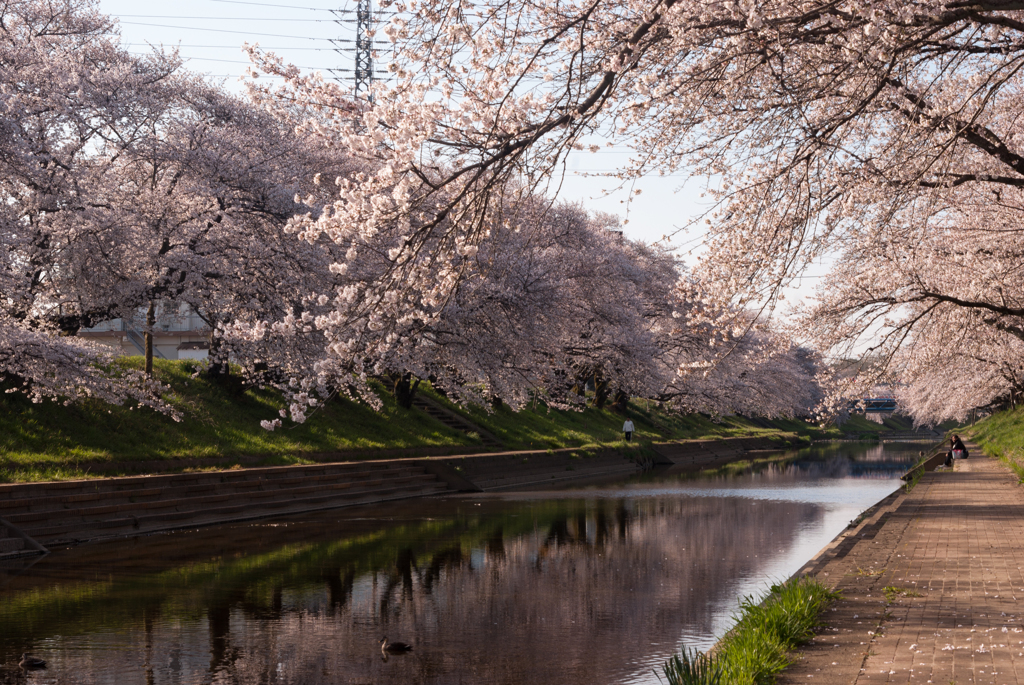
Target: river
595	583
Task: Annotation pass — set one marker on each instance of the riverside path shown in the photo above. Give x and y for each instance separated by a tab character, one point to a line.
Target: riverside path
933	592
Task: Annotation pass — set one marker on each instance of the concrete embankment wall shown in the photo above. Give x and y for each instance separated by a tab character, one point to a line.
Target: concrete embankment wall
704	454
870	522
70	512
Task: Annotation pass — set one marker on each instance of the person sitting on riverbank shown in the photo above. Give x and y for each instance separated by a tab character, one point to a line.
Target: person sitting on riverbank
956	448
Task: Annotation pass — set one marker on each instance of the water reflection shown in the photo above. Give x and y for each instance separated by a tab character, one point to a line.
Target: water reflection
594	584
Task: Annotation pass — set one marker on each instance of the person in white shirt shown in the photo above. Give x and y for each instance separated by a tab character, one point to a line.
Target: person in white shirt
627	428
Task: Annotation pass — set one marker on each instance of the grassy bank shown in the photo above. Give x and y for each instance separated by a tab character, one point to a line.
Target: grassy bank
857	426
758	646
221	422
1002	435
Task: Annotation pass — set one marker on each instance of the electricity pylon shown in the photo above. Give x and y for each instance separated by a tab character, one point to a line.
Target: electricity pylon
364	51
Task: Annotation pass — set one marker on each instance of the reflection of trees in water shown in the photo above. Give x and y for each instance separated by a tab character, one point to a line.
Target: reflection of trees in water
571	602
339	585
882	461
571	590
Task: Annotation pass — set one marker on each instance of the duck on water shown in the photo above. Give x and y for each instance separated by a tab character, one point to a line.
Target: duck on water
30	662
393	647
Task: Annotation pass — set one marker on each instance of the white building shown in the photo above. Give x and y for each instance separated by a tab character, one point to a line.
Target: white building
179	333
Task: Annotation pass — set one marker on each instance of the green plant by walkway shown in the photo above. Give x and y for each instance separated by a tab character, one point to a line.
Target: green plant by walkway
758	646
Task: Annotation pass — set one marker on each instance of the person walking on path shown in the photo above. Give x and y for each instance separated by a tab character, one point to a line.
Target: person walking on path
627	428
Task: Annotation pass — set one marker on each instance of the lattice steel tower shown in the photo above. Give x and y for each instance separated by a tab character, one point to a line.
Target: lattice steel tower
364	50
363	72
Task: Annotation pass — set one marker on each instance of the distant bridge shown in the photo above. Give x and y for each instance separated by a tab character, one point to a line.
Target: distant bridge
875	405
879	404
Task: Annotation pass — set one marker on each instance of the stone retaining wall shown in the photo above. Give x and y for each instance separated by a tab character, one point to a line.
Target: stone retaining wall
70	512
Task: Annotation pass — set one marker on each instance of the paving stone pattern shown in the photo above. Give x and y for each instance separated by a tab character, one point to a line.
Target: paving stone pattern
951	553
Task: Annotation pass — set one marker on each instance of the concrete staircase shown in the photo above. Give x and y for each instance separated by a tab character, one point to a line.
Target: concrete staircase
456	421
10	544
75	511
14	543
518	469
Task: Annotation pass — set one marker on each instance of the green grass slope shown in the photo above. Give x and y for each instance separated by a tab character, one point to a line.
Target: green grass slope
859	425
538	427
220	427
50	440
1002	435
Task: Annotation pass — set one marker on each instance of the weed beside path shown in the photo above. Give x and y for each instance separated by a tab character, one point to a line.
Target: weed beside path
759	645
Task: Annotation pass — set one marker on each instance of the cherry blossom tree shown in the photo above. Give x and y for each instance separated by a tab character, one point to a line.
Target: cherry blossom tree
200	211
127	180
76	102
937	291
749	368
71	100
329	241
821	127
554	300
969	367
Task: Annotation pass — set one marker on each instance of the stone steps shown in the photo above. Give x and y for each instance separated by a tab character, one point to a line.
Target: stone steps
194	479
540	464
184	502
456	421
75	531
75	511
13	543
539	477
10	545
910	436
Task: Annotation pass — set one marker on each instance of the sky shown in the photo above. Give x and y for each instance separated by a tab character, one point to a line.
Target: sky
317	35
209	34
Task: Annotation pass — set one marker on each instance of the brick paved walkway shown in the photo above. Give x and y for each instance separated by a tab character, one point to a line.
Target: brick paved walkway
951	555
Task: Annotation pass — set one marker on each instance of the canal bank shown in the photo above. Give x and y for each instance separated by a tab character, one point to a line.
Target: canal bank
72	512
931	586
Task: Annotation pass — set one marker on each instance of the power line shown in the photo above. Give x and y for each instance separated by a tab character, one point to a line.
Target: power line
229	61
267	4
197	28
176	16
235	47
292	7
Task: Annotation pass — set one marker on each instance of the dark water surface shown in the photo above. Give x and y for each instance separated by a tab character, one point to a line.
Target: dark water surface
593	584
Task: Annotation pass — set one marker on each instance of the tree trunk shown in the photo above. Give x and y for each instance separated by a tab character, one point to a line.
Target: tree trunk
621	402
403	388
218	366
150	323
601	391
